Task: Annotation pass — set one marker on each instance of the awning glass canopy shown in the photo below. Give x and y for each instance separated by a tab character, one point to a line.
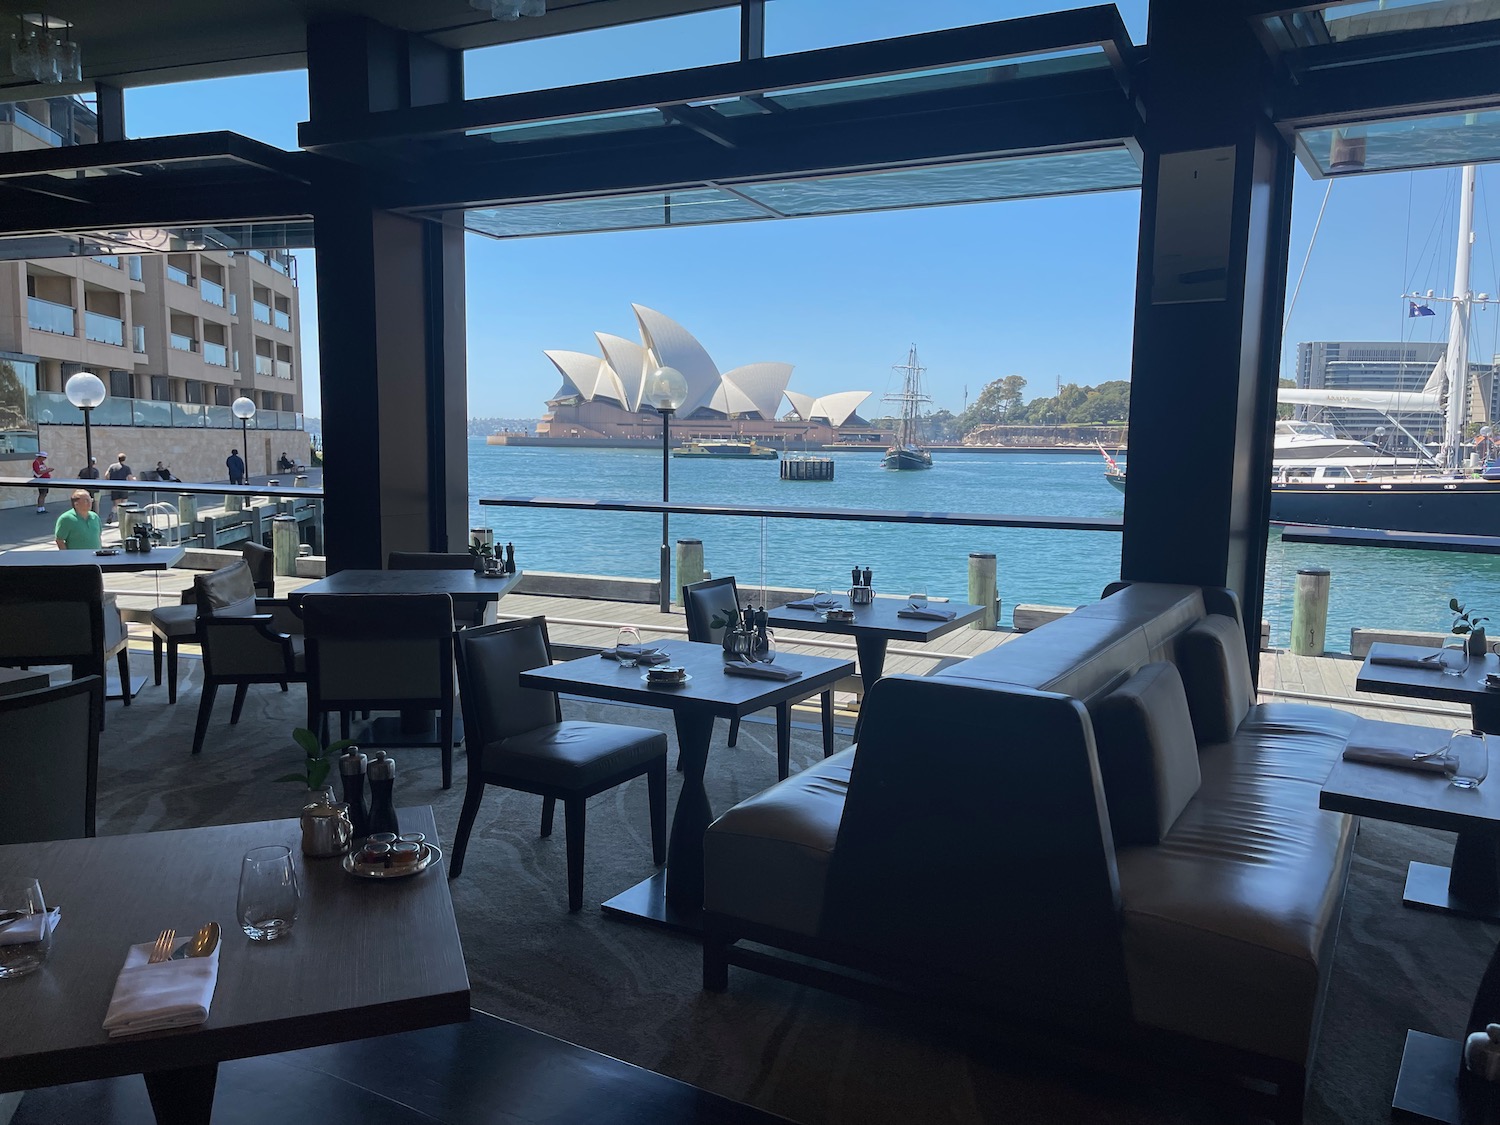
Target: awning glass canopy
1389	146
1363	19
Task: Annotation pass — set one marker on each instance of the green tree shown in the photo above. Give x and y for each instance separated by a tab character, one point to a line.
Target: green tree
1284	409
997	402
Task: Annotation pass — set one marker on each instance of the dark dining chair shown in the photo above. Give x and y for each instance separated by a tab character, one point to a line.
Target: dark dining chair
246	640
49	762
381	652
465	611
61	615
516	738
262	562
712	598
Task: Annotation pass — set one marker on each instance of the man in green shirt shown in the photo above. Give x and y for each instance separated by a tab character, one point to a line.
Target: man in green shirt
78	528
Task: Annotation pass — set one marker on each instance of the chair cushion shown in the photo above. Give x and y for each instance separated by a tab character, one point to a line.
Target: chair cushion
230	590
766	859
179	621
573	754
1215	668
1148	757
500	707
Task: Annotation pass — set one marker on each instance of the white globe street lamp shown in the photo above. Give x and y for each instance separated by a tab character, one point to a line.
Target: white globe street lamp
244	410
85	391
667	390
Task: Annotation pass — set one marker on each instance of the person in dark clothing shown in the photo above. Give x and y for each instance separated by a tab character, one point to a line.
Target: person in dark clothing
91	472
119	471
236	466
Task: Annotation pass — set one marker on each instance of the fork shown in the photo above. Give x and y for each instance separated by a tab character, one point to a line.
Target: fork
162	950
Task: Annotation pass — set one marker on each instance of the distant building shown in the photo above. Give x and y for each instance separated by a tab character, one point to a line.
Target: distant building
601	396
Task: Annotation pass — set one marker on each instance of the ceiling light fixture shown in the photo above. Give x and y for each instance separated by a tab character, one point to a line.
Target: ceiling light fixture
42	49
507	10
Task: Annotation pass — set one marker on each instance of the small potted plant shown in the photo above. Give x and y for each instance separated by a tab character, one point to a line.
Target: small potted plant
483	554
1470	625
326	826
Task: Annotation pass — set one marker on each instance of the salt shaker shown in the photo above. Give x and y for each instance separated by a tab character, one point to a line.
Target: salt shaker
1482	1053
382	775
352	766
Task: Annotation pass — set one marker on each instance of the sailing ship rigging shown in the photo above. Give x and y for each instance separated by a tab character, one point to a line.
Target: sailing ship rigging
906	452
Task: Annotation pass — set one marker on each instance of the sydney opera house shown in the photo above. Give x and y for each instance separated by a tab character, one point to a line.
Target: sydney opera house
601	396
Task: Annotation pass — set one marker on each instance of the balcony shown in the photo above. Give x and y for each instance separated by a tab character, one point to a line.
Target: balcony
135	267
183	343
264	365
179	275
216	354
283	320
283	369
28	124
110	260
262	312
211	291
138	339
104	329
48	316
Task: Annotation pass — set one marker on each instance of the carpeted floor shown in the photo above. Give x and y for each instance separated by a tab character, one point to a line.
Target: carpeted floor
633	992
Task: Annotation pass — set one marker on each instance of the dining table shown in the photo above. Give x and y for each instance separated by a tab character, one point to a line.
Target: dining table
363	958
674	898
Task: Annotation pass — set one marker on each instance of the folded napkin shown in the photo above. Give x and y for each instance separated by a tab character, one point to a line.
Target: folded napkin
928	614
1400	661
29	928
643	654
813	603
762	671
161	996
1393	744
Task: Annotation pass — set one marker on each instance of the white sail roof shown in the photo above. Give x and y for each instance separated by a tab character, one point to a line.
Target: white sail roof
762	383
730	400
579	370
627	360
838	407
672	345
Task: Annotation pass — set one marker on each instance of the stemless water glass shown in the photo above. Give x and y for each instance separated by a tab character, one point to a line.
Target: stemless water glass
1455	657
628	647
918	598
25	942
268	893
1468	759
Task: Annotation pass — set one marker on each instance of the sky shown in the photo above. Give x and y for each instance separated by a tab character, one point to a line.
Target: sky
1041	288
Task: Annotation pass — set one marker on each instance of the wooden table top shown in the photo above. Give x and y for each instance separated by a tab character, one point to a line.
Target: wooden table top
158	558
363	958
710	687
463	584
1426	683
876	619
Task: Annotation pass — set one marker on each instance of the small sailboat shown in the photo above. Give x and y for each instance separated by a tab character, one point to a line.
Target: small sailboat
907	452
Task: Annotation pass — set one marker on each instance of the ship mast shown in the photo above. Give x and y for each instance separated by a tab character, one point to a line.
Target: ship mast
910	398
1458	329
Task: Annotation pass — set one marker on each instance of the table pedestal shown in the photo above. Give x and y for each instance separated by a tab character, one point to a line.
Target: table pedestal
1470	888
183	1097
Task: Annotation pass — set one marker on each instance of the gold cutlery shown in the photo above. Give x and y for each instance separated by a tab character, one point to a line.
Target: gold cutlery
163	947
201	944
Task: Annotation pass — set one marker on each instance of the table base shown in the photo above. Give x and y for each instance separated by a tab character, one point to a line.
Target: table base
646	902
183	1097
112	684
1428	888
407	729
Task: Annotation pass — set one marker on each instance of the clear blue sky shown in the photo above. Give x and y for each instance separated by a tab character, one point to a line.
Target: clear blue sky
1042	288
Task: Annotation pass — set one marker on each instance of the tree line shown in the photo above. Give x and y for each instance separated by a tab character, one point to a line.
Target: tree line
1002	402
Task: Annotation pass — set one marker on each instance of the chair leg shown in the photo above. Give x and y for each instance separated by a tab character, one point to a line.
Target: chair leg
123	660
240	691
656	787
171	672
445	736
734	731
205	710
715	964
573	825
549	804
783	741
472	797
156	657
346	722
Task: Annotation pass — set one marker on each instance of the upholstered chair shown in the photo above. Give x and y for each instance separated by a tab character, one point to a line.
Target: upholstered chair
262	562
49	762
516	738
381	652
60	615
246	640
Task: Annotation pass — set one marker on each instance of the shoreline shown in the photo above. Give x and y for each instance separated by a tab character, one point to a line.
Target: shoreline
531	441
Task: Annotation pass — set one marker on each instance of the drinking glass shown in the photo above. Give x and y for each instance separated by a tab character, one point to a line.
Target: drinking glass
1468	759
627	655
268	893
823	598
1455	658
19	957
918	598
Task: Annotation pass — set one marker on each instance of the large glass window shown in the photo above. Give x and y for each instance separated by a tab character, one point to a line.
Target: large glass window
17	404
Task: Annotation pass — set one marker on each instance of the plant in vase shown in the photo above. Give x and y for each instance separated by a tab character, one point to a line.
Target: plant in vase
326	827
482	553
1470	625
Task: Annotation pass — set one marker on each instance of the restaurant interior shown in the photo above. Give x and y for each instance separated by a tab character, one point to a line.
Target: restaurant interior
1115	884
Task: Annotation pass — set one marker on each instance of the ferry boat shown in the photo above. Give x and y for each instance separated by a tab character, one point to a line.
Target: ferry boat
730	450
906	451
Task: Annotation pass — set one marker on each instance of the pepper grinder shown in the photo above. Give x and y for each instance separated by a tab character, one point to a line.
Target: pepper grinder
382	775
510	558
352	767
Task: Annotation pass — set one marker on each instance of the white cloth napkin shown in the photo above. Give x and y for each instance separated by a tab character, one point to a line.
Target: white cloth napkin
1393	744
165	995
29	928
928	614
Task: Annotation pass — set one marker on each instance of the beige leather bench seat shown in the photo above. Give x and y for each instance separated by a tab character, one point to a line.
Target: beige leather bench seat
1228	920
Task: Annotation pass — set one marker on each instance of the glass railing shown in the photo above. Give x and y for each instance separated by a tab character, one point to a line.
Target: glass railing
258	255
179	275
183	343
150	412
48	316
211	291
283	320
264	365
135	267
262	312
234	305
104	329
28	124
279	265
110	260
283	369
138	338
53	409
189	414
216	354
220	418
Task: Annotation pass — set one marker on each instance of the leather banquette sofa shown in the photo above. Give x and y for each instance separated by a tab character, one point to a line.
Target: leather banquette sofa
1091	826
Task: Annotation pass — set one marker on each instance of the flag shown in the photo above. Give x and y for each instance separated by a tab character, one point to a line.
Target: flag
1419	310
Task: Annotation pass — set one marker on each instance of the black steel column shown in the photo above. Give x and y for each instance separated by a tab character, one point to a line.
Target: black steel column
1211	279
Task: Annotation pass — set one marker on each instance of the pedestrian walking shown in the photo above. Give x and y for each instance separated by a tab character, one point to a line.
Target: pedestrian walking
236	466
40	470
119	471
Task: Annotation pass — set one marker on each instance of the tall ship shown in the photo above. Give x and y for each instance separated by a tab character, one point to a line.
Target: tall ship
906	451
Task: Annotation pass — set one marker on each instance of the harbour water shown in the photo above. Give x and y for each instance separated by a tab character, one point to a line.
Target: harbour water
1370	587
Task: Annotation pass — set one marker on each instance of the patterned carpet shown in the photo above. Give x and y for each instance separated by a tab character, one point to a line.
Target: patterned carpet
633	992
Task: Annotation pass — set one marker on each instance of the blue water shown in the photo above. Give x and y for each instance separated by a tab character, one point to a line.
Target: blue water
1370	587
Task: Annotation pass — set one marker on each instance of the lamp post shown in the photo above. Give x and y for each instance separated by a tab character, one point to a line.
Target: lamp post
666	390
244	410
86	391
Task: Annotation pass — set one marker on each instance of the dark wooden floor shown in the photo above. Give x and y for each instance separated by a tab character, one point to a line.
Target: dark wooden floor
485	1072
